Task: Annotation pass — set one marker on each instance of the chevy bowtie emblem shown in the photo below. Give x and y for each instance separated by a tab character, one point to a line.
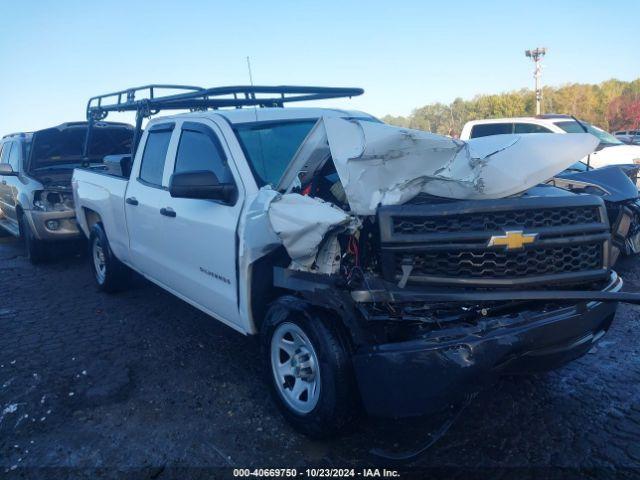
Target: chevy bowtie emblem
513	239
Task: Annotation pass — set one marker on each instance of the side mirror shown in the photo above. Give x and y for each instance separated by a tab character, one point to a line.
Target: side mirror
7	170
201	184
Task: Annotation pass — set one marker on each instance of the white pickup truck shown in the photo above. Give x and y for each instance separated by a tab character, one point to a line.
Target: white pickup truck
384	271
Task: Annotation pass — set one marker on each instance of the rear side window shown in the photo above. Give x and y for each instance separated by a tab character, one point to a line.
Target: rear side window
571	126
199	149
154	156
6	149
487	129
530	128
14	157
4	152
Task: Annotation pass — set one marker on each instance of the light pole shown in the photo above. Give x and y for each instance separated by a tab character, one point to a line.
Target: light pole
536	55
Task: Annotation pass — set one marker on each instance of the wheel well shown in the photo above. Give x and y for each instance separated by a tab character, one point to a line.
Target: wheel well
294	304
262	290
92	217
19	214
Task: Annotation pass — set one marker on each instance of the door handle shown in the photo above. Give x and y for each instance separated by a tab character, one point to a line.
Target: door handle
131	201
4	182
167	212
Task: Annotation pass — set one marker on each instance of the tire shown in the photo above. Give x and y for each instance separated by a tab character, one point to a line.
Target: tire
319	373
36	250
110	274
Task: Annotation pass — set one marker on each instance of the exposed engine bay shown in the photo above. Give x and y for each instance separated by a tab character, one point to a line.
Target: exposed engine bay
346	169
444	216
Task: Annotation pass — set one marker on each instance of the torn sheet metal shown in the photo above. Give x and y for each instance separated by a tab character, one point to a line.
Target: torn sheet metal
297	222
380	164
302	223
258	237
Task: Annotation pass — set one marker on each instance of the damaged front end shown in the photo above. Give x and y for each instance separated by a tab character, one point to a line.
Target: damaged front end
616	185
446	263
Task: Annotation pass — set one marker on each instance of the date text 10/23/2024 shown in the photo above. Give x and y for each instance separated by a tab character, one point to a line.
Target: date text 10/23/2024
316	472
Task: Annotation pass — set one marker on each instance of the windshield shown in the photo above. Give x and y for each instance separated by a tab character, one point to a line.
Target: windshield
56	147
606	139
270	146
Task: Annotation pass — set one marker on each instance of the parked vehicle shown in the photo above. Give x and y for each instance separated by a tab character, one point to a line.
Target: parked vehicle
381	268
630	137
36	201
611	151
615	184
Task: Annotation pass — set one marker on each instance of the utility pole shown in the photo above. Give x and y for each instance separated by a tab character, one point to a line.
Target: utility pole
536	55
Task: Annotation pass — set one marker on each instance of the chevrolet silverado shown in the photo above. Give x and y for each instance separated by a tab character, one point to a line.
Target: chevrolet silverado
385	269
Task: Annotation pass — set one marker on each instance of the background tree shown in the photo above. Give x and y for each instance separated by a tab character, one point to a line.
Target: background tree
609	103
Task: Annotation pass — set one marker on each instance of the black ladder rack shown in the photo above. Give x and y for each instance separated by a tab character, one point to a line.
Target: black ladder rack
146	101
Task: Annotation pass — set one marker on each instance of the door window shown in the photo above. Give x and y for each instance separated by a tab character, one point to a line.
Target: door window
487	129
530	128
200	149
155	153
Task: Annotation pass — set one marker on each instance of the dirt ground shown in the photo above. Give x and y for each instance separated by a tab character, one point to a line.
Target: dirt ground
140	384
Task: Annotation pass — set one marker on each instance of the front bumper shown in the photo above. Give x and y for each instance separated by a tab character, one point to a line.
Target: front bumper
420	376
67	228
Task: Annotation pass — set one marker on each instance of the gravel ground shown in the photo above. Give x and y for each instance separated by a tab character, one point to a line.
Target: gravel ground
140	384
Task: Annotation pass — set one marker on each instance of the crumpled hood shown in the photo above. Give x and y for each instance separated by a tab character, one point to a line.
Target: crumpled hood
380	164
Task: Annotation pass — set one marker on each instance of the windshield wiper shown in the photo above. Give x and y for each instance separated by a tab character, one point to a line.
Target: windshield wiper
581	124
63	166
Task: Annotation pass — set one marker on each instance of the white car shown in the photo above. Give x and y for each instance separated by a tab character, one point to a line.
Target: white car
630	137
373	280
611	151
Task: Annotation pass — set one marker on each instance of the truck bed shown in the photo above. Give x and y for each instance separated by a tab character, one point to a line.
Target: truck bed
102	193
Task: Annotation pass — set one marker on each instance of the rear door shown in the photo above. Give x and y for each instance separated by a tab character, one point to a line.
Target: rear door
12	184
6	207
146	195
200	240
5	147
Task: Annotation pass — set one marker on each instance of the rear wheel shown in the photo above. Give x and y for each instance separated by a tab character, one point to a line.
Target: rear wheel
308	368
110	274
36	250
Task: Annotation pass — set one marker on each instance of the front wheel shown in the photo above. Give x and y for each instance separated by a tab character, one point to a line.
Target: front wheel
308	368
110	274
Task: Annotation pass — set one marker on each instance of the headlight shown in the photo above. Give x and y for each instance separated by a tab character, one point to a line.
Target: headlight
52	201
578	186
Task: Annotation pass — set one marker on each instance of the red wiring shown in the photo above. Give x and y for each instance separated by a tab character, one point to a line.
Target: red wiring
353	249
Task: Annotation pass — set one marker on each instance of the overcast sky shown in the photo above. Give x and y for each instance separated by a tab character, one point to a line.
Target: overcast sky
404	54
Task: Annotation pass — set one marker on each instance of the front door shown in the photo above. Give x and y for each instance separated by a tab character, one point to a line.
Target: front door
201	237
